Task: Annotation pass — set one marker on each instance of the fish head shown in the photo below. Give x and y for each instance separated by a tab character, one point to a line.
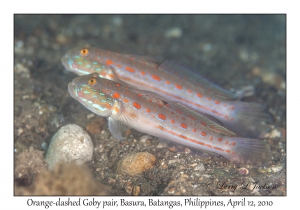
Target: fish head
90	91
83	61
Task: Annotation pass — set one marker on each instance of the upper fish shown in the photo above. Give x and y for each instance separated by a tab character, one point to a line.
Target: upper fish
174	82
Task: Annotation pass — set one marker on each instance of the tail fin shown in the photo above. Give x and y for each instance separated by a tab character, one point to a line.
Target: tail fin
249	119
246	150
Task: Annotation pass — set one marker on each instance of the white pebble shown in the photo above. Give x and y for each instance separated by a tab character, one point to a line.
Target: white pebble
70	144
276	168
175	32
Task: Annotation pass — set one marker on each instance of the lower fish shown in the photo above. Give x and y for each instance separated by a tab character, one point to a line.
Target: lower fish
147	112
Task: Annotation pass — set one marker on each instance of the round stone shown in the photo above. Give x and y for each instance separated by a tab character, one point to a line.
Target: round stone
70	144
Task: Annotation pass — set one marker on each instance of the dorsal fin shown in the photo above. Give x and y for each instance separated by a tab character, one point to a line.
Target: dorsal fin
200	118
182	72
153	61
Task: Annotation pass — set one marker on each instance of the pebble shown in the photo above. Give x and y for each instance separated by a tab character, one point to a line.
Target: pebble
276	168
22	70
136	190
70	144
270	78
243	171
175	32
273	134
135	164
199	167
96	125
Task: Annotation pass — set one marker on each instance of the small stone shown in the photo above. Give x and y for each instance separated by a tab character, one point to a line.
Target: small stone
22	70
199	167
135	164
273	134
136	190
173	149
207	47
187	151
163	165
276	168
70	144
162	145
175	32
96	125
243	171
89	116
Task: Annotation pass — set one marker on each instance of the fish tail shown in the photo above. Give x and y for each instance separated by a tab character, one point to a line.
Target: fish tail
248	119
246	150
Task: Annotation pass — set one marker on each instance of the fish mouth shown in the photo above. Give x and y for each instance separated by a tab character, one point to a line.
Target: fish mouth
72	89
67	62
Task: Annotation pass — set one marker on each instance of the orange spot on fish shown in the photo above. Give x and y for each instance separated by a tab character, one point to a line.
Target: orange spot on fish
194	130
233	143
148	110
211	138
111	76
103	74
217	102
127	68
228	151
125	100
118	85
179	111
116	109
203	133
226	117
172	121
232	108
191	117
220	139
143	73
208	98
168	82
161	116
119	66
199	95
203	123
226	142
183	125
139	94
109	62
183	136
179	87
136	105
218	148
189	91
116	95
155	77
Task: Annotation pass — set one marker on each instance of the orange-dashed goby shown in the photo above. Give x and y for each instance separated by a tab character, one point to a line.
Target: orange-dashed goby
175	83
149	113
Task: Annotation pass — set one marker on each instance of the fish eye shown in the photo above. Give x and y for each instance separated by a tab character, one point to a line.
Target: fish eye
84	51
92	81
